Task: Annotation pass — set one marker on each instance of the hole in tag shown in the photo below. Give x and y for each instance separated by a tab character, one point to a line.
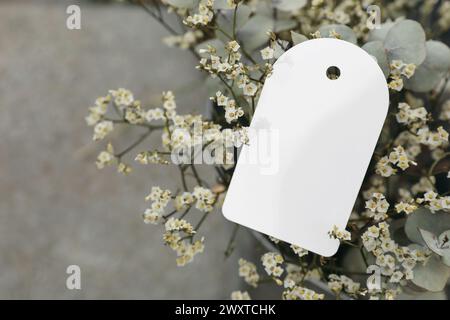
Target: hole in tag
333	73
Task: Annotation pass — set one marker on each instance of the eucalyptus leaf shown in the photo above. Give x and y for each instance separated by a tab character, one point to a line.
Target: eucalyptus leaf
216	43
188	4
345	32
221	5
444	238
432	276
254	32
376	49
428	75
278	50
423	218
242	15
406	41
381	33
446	260
289	5
226	21
297	38
444	245
286	24
431	241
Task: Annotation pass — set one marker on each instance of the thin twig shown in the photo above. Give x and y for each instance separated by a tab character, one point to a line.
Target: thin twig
134	144
230	246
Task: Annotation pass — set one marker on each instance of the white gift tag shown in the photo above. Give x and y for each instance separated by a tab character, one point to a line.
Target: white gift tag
311	140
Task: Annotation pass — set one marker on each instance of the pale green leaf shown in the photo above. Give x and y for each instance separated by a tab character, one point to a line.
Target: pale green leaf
428	75
376	49
188	4
423	218
289	5
381	33
405	41
432	276
344	31
297	38
254	33
431	241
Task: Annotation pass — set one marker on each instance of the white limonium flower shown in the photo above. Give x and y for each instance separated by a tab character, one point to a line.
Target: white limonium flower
267	53
105	157
250	89
122	97
271	262
299	250
102	129
240	295
247	270
336	233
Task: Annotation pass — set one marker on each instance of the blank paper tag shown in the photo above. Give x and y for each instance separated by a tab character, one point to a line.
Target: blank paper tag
311	139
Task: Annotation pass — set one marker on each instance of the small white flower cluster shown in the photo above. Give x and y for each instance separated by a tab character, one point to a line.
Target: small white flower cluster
267	53
406	207
395	262
247	270
98	110
408	115
376	186
296	275
105	157
205	199
124	168
301	293
424	185
183	201
433	139
378	207
232	112
160	199
185	248
271	262
102	129
335	35
230	67
240	295
435	202
122	97
398	157
204	16
186	251
337	284
299	250
174	224
274	240
407	203
342	235
184	41
399	69
445	111
146	157
129	111
444	15
168	111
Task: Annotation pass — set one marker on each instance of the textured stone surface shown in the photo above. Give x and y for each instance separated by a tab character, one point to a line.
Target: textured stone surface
56	209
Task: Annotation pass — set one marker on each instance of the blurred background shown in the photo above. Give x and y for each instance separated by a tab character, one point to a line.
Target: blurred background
56	208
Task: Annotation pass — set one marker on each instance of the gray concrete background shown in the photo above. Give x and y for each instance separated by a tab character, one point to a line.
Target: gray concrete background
56	208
